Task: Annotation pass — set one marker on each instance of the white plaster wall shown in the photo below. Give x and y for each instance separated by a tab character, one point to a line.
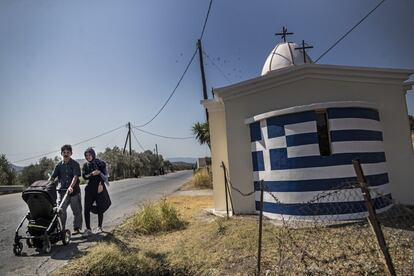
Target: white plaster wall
218	155
389	98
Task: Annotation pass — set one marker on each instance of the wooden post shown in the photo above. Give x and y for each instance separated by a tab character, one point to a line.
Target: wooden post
372	216
230	197
225	188
259	250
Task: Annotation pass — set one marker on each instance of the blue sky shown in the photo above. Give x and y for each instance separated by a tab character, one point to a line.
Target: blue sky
70	70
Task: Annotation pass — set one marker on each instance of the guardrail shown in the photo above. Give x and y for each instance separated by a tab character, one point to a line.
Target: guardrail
5	189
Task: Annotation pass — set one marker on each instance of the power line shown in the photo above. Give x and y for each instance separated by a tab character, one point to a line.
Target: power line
348	32
205	21
112	140
35	157
22	153
218	68
185	71
163	136
76	144
97	136
173	92
136	139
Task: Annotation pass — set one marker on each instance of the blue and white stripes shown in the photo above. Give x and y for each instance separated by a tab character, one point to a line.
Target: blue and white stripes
286	155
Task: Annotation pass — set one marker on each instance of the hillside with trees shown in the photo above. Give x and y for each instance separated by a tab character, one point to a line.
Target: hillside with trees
120	165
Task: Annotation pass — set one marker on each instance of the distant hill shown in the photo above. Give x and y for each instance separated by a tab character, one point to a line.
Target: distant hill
188	160
178	166
179	163
17	169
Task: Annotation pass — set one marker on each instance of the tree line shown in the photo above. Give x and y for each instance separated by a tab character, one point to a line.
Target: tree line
119	165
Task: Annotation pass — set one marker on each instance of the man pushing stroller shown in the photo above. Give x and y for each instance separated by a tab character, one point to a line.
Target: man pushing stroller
68	172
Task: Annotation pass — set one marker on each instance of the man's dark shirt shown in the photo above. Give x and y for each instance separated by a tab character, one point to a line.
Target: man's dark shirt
65	173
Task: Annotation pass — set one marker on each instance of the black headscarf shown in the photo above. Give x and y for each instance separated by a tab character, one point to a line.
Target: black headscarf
96	164
91	152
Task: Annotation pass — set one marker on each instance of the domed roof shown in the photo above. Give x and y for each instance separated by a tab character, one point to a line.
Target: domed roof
284	55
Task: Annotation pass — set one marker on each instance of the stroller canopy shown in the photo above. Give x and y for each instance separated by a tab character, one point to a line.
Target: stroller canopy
45	187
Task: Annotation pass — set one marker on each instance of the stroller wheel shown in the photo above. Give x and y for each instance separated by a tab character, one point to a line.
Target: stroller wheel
17	248
66	237
47	246
37	243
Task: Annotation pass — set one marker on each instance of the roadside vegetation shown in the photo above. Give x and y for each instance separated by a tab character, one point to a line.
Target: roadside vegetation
7	175
155	217
202	179
201	130
145	244
209	245
120	166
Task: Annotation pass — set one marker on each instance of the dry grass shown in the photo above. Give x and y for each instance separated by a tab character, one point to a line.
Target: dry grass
202	179
110	258
155	217
216	246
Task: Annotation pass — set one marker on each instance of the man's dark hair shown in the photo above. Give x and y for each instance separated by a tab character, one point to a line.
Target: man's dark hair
66	147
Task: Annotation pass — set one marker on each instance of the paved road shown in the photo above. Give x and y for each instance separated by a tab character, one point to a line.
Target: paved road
126	195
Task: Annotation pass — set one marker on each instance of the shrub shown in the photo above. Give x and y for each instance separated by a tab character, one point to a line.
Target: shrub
202	179
156	217
171	219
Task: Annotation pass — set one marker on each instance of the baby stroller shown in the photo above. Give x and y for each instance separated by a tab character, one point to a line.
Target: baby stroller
44	225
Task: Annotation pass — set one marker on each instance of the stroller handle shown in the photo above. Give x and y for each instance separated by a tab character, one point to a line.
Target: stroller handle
64	197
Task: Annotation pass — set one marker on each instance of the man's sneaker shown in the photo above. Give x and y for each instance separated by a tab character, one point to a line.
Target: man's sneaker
76	231
87	233
98	230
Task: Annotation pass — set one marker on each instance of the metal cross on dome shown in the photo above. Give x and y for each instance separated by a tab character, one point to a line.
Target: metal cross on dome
303	48
284	33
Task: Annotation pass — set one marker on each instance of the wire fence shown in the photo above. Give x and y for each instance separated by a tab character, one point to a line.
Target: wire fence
333	232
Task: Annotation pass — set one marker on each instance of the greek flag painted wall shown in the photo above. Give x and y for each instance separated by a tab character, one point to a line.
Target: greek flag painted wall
298	161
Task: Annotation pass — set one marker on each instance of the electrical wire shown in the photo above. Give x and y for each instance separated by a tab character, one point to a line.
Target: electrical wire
97	136
112	140
173	92
156	114
35	157
349	31
163	136
205	21
76	144
184	73
136	139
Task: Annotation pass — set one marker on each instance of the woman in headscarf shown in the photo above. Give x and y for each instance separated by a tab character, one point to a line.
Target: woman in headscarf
94	170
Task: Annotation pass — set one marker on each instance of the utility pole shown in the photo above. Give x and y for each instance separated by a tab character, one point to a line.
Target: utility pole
129	134
203	75
128	138
126	142
158	159
130	147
